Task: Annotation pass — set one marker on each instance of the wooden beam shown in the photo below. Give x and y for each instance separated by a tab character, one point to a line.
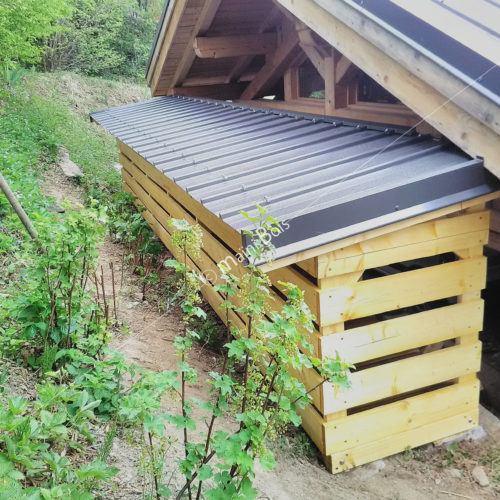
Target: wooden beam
342	69
274	67
291	83
351	112
235	45
203	80
311	49
218	91
435	75
170	26
291	78
205	19
445	115
243	62
155	57
330	85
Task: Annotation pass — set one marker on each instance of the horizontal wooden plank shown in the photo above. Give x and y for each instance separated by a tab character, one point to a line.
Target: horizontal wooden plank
313	424
404	375
397	443
388	293
210	295
223	230
288	274
409	252
422	240
402	416
390	228
310	266
235	45
404	333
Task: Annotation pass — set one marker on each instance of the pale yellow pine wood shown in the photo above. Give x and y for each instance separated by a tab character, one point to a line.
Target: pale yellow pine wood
404	375
393	292
345	433
406	332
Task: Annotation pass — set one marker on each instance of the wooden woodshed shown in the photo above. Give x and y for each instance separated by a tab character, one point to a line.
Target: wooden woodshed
313	109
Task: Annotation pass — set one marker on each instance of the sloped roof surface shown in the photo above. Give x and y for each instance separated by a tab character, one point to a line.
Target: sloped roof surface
329	179
462	36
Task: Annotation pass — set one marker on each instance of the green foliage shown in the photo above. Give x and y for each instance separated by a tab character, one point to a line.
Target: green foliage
50	302
23	23
266	397
39	442
104	37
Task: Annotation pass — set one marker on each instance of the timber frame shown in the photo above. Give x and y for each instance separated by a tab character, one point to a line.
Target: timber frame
412	333
401	301
238	50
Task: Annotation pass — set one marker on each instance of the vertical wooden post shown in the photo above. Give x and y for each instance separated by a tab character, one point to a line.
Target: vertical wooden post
329	64
291	83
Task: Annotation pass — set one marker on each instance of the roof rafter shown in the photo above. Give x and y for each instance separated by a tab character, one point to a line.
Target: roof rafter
467	132
205	19
274	67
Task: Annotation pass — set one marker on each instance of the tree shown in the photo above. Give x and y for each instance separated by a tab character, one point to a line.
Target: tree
24	23
104	37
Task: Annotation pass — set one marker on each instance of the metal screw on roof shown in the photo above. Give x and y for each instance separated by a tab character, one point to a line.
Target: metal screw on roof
266	199
243	187
396	207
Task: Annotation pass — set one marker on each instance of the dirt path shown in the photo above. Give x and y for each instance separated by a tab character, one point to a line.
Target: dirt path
426	473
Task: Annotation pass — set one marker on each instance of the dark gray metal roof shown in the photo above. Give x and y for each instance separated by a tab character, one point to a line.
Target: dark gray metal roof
328	178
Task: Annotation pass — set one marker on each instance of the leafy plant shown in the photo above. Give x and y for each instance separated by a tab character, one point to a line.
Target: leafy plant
265	397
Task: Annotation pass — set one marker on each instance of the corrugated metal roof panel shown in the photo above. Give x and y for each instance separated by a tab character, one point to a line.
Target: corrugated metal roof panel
328	179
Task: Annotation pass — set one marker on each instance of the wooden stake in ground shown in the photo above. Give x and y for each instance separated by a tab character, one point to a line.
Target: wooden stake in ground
18	208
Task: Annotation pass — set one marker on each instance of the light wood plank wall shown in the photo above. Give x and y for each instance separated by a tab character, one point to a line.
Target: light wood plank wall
416	378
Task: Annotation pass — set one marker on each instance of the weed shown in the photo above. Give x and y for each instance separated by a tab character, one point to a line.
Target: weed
492	460
455	454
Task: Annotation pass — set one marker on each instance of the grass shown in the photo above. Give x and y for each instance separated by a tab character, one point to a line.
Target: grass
57	106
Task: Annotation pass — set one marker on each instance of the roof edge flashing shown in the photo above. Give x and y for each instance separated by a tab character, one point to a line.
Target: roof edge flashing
153	55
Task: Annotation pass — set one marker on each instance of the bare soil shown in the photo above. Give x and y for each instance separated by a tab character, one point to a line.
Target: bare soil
146	335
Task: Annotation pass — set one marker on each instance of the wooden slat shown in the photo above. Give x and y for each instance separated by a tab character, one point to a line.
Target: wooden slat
402	416
399	442
290	275
157	218
213	253
310	266
313	423
223	230
400	240
404	333
329	266
405	375
389	293
368	235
